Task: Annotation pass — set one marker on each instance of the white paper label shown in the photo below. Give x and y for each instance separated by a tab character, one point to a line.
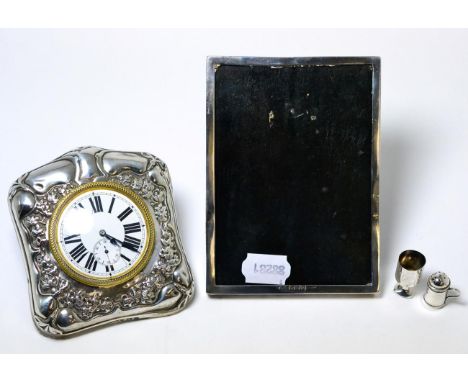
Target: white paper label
266	269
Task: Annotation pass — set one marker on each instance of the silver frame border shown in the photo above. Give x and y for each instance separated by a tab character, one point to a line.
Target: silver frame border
213	63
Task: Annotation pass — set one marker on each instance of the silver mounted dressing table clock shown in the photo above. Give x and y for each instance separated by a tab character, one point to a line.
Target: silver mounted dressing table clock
99	235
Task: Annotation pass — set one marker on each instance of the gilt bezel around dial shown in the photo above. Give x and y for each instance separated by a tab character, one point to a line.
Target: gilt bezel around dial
90	278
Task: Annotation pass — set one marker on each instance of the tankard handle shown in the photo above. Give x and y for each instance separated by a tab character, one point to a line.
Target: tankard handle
453	292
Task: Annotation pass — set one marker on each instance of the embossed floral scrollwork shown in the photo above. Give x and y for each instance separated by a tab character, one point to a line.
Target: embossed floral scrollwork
62	305
88	304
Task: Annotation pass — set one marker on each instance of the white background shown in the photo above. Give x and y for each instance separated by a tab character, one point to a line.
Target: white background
145	90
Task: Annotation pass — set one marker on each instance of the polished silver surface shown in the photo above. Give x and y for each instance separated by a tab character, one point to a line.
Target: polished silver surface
438	290
213	63
408	272
62	306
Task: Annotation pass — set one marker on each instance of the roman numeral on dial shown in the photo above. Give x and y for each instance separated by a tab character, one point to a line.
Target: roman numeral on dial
109	268
72	239
125	213
79	252
111	205
132	228
96	204
131	243
91	263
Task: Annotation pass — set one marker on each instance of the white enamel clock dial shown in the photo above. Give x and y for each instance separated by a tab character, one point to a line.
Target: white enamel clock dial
102	234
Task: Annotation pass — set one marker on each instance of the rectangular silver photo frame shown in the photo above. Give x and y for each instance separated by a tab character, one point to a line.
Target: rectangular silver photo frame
216	288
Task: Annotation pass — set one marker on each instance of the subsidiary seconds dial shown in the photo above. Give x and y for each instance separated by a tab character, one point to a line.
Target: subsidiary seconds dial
102	234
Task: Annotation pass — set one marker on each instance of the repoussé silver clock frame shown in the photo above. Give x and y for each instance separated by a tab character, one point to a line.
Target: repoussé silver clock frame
60	305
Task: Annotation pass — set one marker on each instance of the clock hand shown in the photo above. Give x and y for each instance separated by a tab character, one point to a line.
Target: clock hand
115	241
107	254
112	239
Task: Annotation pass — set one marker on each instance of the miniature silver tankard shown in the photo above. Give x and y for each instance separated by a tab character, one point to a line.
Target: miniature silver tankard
438	290
408	272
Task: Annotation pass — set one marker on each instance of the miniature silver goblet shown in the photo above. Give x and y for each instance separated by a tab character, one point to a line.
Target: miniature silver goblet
408	272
